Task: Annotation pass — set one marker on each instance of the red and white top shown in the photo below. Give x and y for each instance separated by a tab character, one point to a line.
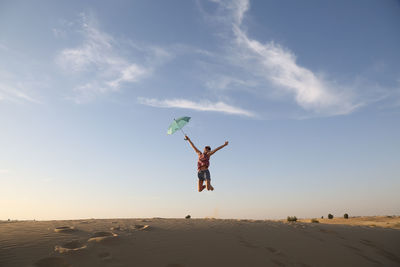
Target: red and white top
204	161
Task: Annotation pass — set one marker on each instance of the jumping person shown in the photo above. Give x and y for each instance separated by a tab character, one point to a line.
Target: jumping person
203	163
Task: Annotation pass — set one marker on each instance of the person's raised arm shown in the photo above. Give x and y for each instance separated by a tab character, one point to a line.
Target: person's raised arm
192	145
218	148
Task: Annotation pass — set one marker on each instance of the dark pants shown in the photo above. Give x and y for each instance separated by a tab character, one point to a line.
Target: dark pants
204	175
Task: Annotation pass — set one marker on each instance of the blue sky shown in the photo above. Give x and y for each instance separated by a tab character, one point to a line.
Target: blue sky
308	95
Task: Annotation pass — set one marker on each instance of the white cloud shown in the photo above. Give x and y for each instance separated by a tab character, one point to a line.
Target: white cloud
100	63
15	89
272	64
131	73
241	7
278	65
96	50
235	8
199	106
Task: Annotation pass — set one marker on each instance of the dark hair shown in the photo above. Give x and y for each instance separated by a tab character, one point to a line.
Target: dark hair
208	148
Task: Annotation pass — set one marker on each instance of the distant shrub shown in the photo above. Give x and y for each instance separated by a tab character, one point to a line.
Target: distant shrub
187	217
330	216
346	216
314	221
291	218
322	217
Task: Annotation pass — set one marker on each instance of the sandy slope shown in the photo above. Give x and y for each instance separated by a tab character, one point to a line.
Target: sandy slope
195	242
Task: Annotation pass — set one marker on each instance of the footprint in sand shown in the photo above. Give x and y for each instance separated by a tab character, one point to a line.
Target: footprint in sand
52	262
273	250
105	256
102	236
65	229
71	246
136	227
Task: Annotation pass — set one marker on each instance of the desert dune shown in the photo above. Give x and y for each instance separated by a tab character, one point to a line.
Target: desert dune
197	242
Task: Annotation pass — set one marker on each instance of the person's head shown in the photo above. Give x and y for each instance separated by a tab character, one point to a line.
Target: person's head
207	149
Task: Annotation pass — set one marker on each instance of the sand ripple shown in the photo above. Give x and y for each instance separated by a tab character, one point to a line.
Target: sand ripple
101	236
141	227
74	245
65	229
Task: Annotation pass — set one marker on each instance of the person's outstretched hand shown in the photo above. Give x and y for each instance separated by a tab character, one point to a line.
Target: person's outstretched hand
226	143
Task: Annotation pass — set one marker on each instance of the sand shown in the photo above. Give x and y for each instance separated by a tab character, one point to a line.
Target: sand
372	221
199	242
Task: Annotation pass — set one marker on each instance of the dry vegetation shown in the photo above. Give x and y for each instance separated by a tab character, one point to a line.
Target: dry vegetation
372	221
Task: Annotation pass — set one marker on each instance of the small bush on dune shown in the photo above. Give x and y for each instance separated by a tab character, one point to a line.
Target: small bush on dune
314	221
291	218
346	216
330	216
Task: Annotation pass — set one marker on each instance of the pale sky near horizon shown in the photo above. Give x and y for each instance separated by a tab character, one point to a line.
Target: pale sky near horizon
307	94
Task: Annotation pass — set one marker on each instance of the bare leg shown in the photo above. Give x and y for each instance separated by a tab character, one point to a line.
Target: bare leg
201	186
209	186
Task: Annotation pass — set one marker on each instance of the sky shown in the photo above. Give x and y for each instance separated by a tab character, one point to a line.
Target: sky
306	92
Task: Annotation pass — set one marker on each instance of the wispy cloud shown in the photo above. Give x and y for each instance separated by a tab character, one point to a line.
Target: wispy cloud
199	106
236	9
276	67
16	89
100	63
